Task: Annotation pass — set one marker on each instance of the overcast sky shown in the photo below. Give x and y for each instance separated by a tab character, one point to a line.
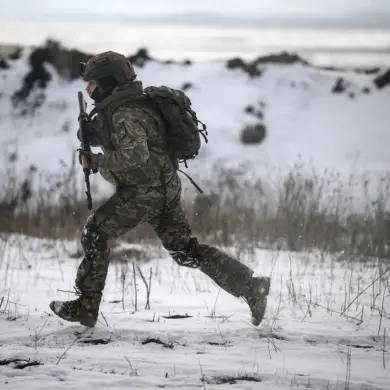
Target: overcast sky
348	9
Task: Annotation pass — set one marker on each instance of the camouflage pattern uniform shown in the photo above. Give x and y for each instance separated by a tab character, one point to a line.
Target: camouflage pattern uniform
148	189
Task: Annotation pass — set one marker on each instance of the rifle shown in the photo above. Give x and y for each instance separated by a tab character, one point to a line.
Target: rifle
85	146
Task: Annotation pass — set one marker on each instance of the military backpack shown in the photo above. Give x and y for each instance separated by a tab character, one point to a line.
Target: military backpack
183	132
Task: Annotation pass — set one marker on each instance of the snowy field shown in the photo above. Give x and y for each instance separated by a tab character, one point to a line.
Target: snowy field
328	316
326	326
307	125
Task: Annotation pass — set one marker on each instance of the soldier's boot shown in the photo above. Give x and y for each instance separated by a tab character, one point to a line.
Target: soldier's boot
235	278
84	309
90	279
90	282
256	298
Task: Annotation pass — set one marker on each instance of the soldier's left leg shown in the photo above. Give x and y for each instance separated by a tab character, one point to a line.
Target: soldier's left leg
115	217
233	276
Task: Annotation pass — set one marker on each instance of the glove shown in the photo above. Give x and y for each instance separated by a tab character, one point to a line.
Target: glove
87	135
89	131
95	161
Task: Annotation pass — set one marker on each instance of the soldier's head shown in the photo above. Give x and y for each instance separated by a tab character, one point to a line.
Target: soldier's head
104	72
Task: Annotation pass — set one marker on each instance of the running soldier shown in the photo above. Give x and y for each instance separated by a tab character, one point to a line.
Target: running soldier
136	159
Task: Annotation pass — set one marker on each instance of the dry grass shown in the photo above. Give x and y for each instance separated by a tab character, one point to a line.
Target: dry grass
303	211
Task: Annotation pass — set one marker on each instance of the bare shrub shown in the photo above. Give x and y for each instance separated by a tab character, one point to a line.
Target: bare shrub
39	204
300	210
303	210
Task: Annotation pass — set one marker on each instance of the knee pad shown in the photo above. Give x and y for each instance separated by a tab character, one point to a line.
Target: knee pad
187	256
93	240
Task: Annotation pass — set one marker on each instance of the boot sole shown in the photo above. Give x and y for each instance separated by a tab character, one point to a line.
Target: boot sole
262	303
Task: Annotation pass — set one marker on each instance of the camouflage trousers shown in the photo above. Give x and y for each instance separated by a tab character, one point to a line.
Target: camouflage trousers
160	207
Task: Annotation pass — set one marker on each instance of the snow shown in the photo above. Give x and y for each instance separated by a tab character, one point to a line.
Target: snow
302	342
327	321
307	125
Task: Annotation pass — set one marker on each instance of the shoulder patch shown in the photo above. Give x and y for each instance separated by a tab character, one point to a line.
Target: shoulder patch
123	127
122	132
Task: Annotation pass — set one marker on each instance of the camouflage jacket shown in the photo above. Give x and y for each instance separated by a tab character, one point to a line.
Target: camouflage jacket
132	137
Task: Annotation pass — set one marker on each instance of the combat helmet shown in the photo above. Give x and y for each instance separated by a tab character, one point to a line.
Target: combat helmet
108	69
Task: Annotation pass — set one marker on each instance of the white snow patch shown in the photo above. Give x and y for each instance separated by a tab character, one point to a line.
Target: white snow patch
303	341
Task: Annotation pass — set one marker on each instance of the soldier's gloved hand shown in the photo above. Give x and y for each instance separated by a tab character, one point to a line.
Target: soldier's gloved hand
88	131
95	160
87	135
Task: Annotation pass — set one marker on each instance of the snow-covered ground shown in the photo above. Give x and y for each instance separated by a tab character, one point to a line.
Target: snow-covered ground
304	341
327	321
307	125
